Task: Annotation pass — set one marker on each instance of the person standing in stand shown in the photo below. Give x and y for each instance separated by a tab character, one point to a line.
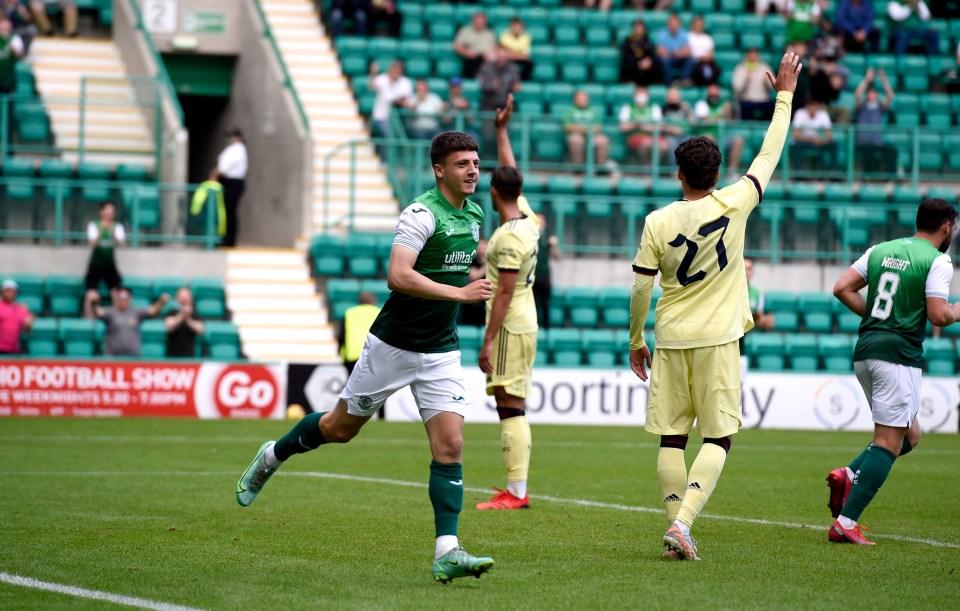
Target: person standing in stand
232	170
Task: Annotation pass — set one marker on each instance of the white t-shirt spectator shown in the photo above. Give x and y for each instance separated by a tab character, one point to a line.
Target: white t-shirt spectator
232	162
700	44
93	232
388	93
899	12
812	126
427	112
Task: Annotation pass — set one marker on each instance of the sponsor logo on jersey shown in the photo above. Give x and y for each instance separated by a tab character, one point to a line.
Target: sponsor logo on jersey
475	231
458	261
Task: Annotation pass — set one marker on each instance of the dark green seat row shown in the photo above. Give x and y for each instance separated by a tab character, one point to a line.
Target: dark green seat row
360	255
343	293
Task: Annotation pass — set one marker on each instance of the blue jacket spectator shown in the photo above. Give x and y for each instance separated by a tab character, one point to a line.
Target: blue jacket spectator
673	49
855	20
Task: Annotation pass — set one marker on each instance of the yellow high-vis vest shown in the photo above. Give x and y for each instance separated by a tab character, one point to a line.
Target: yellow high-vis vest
356	325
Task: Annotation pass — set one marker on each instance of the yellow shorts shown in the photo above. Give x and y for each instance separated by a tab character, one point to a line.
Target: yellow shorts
695	383
513	356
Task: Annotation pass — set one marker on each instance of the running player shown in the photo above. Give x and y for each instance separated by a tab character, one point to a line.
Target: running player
908	281
510	341
696	244
413	342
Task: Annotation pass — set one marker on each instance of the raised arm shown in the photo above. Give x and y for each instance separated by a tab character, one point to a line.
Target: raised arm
504	148
785	83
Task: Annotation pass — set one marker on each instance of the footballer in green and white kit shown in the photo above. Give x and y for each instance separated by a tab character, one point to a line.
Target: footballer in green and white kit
413	342
908	282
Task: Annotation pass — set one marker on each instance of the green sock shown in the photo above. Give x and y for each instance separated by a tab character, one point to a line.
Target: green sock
905	447
446	495
855	464
303	437
867	480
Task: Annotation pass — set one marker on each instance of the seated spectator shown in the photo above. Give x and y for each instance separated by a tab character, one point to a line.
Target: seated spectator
637	58
751	89
122	335
854	18
104	235
474	43
813	146
11	49
70	15
827	82
392	89
910	19
183	327
803	20
518	44
872	154
427	108
706	71
603	5
639	120
950	78
498	78
14	318
712	112
457	105
20	17
386	11
701	43
762	7
579	121
673	49
354	10
676	121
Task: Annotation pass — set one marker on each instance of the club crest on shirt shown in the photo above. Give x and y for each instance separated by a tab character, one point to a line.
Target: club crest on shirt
475	231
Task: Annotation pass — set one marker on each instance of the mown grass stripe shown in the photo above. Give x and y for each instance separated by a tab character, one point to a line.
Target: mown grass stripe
78	592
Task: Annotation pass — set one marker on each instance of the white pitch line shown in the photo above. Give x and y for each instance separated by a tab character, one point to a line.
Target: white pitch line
406	484
129	601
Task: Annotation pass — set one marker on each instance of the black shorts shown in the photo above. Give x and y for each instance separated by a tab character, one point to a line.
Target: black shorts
102	272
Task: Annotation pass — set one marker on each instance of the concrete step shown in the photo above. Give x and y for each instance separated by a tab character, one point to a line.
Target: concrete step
268	274
280	305
254	288
287	335
265	257
255	318
71	129
380	224
104	145
362	193
319	353
113	159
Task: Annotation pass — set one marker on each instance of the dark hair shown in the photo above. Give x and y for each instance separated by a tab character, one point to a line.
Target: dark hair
508	182
699	158
123	287
933	213
107	203
451	142
235	133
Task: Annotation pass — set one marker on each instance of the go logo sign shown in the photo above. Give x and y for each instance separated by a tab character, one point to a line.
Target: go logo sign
245	392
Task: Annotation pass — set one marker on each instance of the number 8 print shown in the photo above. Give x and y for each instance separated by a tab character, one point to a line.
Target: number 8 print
886	289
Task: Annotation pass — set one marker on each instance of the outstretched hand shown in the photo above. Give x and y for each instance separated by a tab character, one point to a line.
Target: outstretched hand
790	68
503	114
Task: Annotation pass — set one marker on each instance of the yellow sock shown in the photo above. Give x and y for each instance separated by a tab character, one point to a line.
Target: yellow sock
704	474
672	472
515	441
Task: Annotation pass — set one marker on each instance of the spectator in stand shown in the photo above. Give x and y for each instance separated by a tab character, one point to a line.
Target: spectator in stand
498	78
14	318
638	63
70	16
122	335
872	154
803	20
427	108
104	235
11	50
579	121
639	120
386	11
751	88
20	17
706	71
474	43
518	44
813	146
548	250
826	84
673	49
762	7
232	172
712	112
458	105
354	10
950	78
910	19
392	89
701	43
676	121
603	5
854	18
356	324
183	327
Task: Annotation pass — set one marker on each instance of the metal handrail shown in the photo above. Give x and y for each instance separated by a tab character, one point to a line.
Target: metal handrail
162	74
287	81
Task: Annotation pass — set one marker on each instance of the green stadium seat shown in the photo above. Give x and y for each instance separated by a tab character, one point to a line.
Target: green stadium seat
142	203
614	302
605	63
950	194
209	295
817	311
802	350
939	355
34	131
56	174
43	339
599	204
30	292
600	347
847	321
327	253
768	350
550	143
471	339
65	295
223	340
132	173
565	346
169	285
783	305
363	260
78	336
96	187
836	351
378	288
153	339
582	304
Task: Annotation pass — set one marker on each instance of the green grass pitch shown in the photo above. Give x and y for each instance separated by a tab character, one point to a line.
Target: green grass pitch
146	508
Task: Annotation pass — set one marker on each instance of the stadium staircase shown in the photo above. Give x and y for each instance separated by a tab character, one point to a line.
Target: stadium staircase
115	129
275	307
334	121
